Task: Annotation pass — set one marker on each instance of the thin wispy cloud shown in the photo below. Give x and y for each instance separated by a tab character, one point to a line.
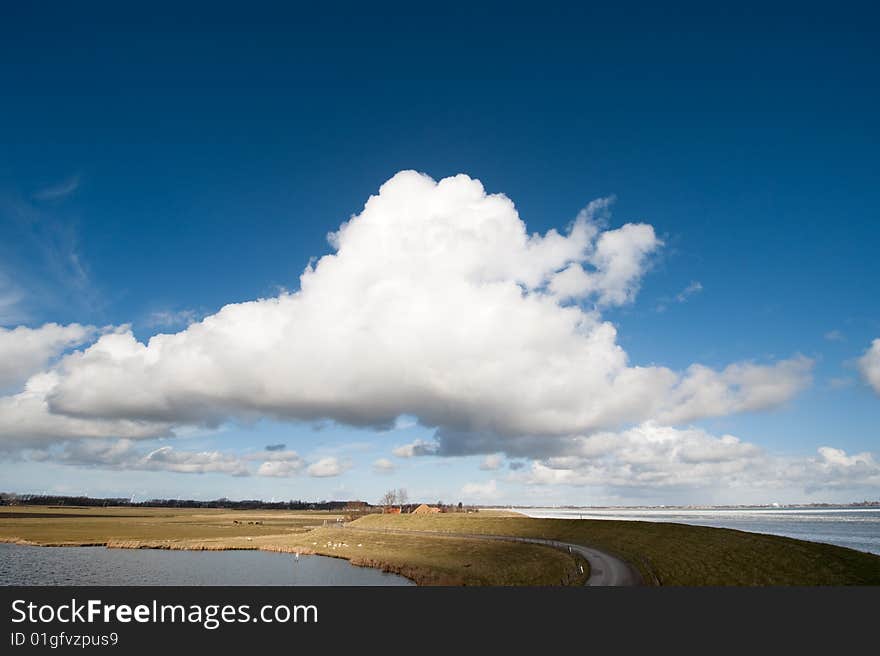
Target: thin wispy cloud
384	466
42	250
11	302
835	336
841	382
478	492
694	287
171	318
58	191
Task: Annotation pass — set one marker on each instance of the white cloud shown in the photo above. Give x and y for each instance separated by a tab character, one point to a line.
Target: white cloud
124	455
615	260
434	305
437	306
741	387
416	448
869	365
192	462
404	421
280	468
647	456
171	318
277	462
27	351
695	287
487	491
326	467
59	190
25	420
11	297
835	336
619	261
492	462
837	458
834	469
651	457
384	466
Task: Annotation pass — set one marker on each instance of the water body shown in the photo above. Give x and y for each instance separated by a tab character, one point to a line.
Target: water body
856	528
26	565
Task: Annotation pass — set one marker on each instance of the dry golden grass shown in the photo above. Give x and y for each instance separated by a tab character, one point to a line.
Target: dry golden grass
65	525
426	559
429	559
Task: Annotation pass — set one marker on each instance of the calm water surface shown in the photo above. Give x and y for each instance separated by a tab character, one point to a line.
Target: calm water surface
26	565
856	528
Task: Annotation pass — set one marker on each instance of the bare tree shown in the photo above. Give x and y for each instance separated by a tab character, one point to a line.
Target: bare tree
402	496
388	499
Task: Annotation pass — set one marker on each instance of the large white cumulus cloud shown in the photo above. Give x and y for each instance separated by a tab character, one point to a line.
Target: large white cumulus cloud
436	303
26	420
26	351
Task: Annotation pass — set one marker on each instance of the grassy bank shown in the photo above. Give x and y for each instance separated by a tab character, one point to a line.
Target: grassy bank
673	554
668	554
425	559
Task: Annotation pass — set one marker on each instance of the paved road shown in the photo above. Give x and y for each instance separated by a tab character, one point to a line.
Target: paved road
605	569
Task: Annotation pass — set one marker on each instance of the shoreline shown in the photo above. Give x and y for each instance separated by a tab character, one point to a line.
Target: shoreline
409	573
420	575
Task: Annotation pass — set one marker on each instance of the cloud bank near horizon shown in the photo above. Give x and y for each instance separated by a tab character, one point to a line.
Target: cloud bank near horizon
126	455
652	457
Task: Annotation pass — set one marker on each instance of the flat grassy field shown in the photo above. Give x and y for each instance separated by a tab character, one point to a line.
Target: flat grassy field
426	559
672	554
65	525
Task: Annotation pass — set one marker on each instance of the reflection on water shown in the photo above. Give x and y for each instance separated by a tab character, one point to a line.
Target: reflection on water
856	528
26	565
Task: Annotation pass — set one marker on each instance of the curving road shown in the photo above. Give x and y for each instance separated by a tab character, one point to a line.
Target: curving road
605	569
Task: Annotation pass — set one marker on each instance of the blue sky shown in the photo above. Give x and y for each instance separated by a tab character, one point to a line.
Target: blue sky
156	167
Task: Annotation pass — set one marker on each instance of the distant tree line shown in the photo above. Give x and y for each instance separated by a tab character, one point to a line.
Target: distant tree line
398	498
11	499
